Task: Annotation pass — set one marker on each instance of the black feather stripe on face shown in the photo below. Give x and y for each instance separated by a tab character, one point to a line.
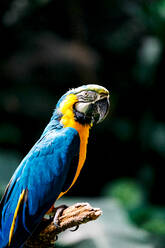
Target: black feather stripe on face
81	117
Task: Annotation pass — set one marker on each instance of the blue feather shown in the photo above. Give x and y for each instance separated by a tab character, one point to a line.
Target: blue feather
41	175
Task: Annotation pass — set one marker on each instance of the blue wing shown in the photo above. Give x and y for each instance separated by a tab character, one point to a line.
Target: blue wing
36	184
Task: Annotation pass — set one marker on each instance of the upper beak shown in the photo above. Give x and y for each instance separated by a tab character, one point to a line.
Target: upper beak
102	106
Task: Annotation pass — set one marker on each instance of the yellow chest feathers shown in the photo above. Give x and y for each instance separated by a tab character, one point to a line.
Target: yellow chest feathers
66	108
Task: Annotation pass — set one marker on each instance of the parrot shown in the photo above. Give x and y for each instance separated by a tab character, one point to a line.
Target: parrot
53	164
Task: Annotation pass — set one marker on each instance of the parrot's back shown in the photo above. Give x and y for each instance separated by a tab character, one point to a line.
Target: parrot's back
36	184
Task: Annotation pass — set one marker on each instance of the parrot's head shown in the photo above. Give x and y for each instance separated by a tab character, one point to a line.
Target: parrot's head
88	104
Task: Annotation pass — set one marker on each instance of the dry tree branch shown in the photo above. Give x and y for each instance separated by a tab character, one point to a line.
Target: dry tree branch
77	214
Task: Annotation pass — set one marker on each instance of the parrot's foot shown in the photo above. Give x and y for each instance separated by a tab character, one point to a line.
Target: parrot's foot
59	211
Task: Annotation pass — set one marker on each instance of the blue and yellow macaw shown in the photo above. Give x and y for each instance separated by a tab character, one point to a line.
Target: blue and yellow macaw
42	176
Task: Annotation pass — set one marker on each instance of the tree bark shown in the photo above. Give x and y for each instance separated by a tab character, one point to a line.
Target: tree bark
45	235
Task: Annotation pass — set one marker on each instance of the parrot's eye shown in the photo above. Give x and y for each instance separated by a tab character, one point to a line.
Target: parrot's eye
87	96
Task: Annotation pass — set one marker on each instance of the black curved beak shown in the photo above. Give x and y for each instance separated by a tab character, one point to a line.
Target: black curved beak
101	109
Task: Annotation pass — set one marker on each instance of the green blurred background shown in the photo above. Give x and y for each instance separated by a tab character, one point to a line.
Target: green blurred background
49	46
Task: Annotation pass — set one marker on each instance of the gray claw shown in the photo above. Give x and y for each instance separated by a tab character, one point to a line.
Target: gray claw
59	211
76	228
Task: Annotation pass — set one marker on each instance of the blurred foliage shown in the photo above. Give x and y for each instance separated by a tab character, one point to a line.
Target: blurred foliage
8	161
133	198
128	192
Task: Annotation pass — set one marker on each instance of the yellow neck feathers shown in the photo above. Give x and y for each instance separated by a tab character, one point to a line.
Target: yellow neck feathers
68	120
66	108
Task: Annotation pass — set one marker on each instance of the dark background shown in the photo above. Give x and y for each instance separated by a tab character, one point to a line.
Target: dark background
49	46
